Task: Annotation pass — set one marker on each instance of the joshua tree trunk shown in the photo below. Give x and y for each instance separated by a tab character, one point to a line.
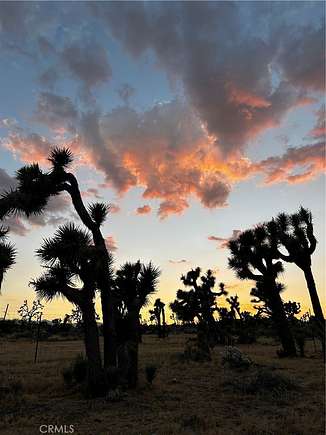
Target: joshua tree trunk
92	346
315	305
159	326
109	332
281	323
108	308
133	321
163	323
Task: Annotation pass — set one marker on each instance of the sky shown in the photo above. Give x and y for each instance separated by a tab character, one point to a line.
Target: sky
195	120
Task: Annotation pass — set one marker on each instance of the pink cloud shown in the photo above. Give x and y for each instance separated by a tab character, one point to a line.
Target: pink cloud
145	209
223	242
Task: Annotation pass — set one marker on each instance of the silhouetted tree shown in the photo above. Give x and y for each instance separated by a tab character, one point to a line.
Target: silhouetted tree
296	234
234	303
27	313
199	303
158	314
7	254
292	309
30	197
70	259
253	257
134	282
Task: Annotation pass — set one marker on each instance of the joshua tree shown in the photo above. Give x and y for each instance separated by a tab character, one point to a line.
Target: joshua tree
296	233
199	303
253	257
159	314
7	254
34	188
28	314
134	283
234	305
70	259
292	309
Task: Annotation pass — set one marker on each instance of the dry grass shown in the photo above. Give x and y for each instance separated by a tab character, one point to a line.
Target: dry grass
186	398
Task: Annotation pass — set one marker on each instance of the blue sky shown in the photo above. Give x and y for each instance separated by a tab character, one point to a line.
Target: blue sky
209	114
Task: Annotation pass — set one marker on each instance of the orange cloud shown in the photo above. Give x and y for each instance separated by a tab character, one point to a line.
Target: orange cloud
247	98
296	165
145	209
168	151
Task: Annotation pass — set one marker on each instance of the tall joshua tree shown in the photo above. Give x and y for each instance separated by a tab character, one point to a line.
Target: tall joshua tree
70	258
134	282
296	234
7	254
253	257
34	188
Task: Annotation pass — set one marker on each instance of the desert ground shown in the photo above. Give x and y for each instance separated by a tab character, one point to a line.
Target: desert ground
185	397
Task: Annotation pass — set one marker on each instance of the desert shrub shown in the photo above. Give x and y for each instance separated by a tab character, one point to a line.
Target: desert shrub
194	352
266	380
11	391
79	368
262	381
150	372
234	358
114	395
76	372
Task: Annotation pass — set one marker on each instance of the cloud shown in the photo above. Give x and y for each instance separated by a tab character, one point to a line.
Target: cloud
165	149
87	62
30	148
57	112
111	244
240	82
33	147
92	192
223	242
302	58
168	152
114	208
8	122
296	165
145	209
6	181
178	261
319	130
125	92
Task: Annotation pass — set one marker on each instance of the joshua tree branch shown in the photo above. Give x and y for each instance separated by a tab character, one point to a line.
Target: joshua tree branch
312	241
72	294
287	258
74	192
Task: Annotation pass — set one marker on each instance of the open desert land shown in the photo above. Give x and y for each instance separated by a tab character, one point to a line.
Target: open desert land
185	397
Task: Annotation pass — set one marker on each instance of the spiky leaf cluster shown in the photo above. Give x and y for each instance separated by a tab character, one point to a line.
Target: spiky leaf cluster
60	157
98	212
253	253
135	282
7	253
